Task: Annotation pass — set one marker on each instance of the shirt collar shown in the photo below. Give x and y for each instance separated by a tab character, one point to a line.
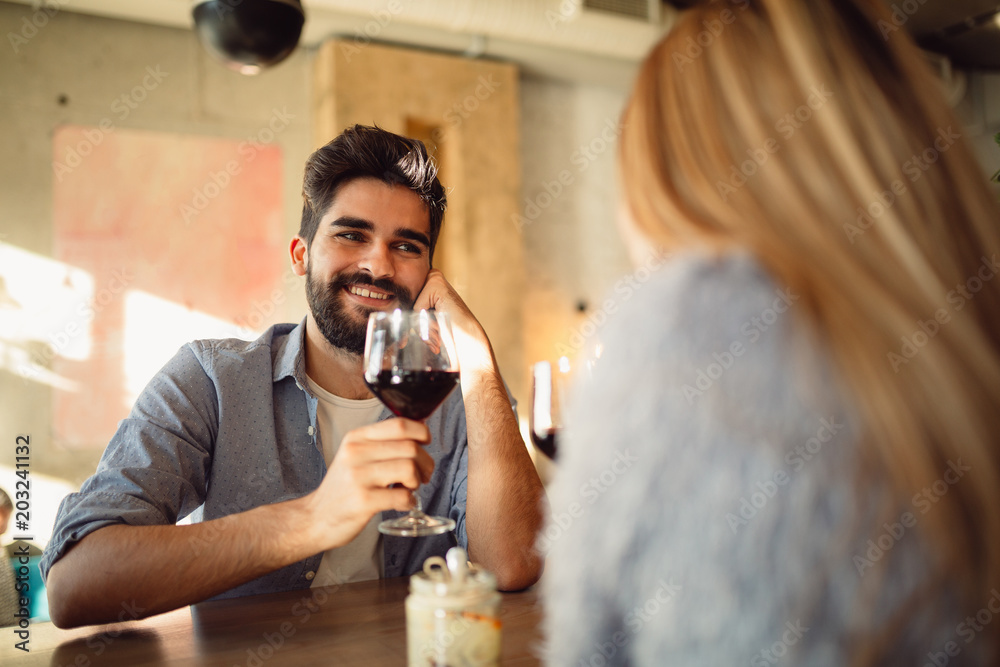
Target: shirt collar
290	360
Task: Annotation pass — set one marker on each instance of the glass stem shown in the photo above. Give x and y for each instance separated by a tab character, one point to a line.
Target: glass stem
417	508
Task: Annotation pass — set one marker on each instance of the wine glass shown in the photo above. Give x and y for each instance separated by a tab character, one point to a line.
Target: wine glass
548	389
411	365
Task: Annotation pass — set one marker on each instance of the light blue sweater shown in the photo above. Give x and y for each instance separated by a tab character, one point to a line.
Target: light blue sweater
705	510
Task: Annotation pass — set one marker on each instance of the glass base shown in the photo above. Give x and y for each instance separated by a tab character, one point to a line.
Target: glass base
416	524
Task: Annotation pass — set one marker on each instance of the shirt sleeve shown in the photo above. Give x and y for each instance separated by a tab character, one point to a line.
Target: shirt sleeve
155	469
458	498
460	485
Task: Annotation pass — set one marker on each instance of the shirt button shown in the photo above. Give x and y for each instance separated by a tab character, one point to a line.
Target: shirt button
310	430
309	575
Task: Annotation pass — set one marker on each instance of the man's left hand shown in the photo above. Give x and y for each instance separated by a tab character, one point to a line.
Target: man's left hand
474	352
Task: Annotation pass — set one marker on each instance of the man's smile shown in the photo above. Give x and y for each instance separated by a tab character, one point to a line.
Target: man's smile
369	293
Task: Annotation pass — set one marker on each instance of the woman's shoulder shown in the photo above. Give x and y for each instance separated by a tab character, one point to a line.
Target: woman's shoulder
717	327
709	287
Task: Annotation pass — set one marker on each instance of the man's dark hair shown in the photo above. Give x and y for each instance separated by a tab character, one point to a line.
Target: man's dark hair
369	152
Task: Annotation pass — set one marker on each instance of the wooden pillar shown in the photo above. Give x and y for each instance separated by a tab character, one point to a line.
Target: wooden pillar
467	112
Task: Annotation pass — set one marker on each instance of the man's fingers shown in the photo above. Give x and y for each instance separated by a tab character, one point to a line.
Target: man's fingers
386	473
425	464
361	452
399	499
366	457
424	467
434	340
435	289
393	429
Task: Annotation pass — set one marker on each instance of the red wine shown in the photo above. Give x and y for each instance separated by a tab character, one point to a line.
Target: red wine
413	394
546	444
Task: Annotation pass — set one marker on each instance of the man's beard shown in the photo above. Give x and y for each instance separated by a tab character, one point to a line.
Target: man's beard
334	319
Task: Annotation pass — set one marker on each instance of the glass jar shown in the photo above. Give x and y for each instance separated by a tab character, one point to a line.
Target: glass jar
452	615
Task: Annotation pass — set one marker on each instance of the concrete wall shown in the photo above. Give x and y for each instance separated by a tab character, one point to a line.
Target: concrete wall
75	70
570	192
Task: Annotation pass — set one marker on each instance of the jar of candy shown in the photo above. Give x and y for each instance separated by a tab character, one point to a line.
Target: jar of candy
452	614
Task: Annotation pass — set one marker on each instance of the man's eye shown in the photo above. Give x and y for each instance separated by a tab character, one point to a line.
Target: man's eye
410	248
350	236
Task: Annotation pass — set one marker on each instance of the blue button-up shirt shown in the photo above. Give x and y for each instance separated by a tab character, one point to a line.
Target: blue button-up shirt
229	425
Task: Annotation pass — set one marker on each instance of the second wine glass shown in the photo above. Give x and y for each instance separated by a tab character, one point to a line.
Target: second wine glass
548	390
411	365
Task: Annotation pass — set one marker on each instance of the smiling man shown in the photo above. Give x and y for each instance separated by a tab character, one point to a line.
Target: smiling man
277	448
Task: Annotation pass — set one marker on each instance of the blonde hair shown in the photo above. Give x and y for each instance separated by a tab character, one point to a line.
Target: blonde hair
815	135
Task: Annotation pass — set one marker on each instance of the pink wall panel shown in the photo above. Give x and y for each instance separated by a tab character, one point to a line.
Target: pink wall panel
193	220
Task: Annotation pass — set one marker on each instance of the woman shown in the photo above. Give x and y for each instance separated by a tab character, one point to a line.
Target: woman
802	467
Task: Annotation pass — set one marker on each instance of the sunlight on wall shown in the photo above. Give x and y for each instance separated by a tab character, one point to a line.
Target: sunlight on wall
46	312
46	298
46	308
156	328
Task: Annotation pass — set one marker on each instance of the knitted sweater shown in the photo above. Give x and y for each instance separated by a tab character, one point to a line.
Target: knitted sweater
706	511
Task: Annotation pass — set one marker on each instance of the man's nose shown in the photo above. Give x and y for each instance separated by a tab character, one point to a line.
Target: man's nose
377	260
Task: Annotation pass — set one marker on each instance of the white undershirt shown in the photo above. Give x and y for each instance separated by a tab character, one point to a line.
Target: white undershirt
360	559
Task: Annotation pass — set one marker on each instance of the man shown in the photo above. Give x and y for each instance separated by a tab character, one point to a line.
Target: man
278	448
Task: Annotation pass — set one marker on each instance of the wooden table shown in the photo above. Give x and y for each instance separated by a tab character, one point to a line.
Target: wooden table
353	624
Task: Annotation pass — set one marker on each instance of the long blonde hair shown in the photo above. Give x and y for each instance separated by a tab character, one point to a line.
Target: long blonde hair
815	134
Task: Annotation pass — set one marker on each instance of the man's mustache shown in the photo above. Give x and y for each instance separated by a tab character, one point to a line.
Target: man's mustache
384	284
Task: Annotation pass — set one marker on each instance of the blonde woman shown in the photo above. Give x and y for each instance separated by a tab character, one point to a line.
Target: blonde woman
802	467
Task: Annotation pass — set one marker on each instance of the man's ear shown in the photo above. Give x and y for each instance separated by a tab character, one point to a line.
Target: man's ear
300	255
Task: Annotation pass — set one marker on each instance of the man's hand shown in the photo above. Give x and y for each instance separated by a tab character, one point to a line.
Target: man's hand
474	352
357	484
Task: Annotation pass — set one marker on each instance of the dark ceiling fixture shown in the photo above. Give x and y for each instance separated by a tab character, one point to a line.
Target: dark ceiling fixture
249	35
966	31
974	43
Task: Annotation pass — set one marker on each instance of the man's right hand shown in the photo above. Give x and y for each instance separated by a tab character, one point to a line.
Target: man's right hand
358	483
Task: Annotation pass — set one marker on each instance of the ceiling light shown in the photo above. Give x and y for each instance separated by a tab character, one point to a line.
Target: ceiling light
249	35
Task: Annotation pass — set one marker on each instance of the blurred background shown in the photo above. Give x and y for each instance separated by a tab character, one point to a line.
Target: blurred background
148	192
